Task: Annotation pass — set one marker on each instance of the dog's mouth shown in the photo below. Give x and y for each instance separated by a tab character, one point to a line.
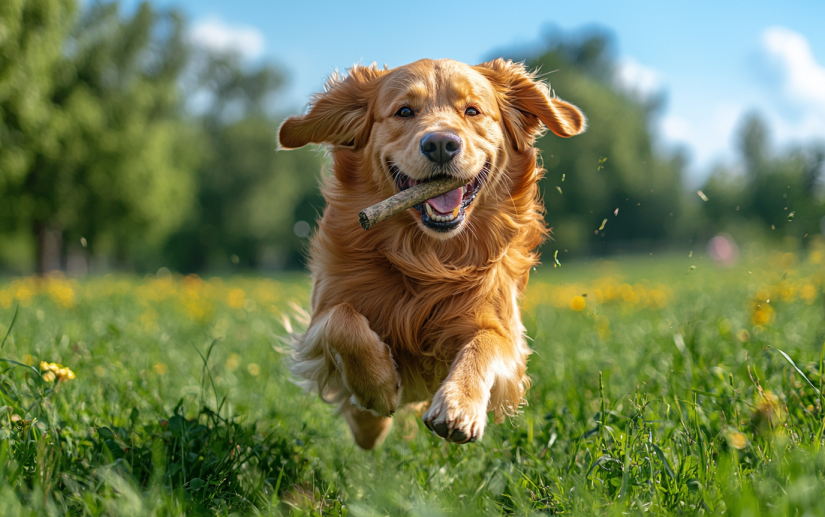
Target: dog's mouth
447	211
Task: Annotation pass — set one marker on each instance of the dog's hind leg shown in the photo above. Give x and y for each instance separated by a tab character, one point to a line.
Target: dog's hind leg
347	363
365	361
368	430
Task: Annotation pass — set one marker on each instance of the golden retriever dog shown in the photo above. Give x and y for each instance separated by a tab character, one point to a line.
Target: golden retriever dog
424	307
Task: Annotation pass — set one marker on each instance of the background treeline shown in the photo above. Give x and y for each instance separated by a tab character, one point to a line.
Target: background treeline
124	146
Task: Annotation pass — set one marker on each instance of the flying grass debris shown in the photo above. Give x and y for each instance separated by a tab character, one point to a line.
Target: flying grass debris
616	212
562	178
556	259
559	189
790	216
604	222
601	163
702	195
690	269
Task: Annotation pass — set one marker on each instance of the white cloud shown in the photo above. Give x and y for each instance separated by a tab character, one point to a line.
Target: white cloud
707	134
637	78
217	35
797	111
675	127
792	103
802	78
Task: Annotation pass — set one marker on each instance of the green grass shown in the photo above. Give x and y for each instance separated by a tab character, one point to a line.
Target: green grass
669	393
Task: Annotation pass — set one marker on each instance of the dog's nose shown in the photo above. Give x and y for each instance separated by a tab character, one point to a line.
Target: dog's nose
440	147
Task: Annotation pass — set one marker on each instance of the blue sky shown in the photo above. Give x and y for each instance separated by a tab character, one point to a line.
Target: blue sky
714	60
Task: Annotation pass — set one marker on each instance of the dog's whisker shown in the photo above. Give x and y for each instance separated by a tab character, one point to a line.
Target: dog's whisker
506	173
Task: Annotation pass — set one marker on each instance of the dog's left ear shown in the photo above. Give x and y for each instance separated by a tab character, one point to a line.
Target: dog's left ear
526	103
339	116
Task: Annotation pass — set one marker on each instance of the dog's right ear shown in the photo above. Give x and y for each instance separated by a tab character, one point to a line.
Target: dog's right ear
339	116
527	103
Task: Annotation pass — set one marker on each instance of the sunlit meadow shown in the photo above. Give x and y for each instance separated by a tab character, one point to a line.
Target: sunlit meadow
660	384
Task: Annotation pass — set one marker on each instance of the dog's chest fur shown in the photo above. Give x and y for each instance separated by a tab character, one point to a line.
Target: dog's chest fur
424	315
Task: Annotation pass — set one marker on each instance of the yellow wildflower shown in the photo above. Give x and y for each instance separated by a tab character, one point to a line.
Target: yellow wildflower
235	298
253	369
762	315
768	413
737	440
60	290
627	293
808	293
23	290
232	362
160	368
54	370
577	303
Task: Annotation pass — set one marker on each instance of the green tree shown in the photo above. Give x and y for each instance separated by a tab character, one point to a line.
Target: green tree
778	194
248	196
32	36
114	165
614	165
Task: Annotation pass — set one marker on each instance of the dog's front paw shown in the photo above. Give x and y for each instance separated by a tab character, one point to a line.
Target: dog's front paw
455	418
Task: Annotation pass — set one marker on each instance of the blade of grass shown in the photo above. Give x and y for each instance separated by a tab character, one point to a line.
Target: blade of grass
818	442
11	326
788	358
206	372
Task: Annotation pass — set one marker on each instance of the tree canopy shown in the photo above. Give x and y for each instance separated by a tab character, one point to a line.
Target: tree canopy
773	194
614	165
118	134
100	154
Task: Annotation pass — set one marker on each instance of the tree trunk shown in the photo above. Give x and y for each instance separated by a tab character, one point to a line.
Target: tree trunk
49	248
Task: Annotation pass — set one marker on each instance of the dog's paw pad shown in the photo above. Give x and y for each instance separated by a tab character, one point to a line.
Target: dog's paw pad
453	423
458	436
441	430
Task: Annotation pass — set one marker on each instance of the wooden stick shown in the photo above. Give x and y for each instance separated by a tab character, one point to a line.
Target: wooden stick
405	199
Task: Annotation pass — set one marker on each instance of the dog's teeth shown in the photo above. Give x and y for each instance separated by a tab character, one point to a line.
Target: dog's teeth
441	218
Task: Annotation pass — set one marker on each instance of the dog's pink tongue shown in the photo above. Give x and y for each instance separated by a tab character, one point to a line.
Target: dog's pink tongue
446	203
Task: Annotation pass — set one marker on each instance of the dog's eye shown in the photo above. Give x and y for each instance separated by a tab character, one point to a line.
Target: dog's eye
471	112
404	112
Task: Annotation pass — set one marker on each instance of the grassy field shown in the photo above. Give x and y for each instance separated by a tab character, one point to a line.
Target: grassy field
657	387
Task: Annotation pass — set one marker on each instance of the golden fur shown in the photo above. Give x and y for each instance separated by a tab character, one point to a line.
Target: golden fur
401	313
